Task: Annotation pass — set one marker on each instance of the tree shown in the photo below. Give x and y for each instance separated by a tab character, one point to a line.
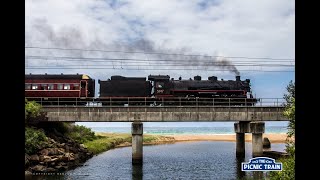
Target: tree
288	169
290	113
32	109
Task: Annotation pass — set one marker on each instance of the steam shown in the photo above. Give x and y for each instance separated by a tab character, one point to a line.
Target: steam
226	64
69	37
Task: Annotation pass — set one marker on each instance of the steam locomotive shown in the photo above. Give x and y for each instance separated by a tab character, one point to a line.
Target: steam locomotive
156	90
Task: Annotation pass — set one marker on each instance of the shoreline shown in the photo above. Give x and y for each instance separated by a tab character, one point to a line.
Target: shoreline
175	138
273	137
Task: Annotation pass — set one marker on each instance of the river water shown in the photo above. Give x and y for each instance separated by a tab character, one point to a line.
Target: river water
185	160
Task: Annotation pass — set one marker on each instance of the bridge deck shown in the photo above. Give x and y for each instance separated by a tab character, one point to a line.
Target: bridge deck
163	114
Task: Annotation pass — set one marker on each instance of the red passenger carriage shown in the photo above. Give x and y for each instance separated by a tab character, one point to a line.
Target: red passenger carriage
67	89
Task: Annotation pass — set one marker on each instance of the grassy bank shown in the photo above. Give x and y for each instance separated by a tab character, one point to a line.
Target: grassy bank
107	141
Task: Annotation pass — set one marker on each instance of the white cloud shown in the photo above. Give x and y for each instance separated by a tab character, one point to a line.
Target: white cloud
251	28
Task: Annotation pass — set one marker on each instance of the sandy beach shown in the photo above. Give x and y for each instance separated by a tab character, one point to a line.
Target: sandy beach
273	137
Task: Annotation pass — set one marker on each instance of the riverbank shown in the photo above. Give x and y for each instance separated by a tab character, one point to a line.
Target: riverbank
273	137
107	141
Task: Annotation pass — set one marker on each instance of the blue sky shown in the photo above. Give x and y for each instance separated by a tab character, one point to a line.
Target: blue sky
242	28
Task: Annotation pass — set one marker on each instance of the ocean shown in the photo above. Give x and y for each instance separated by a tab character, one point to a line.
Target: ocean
182	128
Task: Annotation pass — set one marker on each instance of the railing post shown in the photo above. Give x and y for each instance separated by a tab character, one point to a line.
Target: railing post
110	102
145	101
196	101
261	102
41	101
245	102
128	101
162	101
277	102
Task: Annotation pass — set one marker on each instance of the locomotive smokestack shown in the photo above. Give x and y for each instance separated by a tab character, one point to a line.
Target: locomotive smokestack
197	78
213	78
237	78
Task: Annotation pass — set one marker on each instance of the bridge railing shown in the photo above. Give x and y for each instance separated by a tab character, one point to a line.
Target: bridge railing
158	102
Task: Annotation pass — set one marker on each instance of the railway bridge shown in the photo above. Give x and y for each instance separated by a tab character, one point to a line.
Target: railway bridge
248	119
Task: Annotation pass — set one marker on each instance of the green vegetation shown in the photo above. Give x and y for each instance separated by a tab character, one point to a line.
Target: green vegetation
35	139
32	109
106	142
288	169
81	134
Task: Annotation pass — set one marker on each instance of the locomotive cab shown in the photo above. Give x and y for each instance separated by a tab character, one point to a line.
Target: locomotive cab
161	84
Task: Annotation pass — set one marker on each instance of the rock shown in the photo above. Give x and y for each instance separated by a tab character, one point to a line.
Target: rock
67	148
52	141
69	154
61	145
27	173
76	156
62	164
275	154
266	143
44	152
38	168
60	158
74	149
61	150
44	158
34	158
50	169
61	168
58	167
26	159
52	164
54	159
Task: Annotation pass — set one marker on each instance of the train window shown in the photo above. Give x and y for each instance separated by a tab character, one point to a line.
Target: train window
34	86
83	84
60	86
50	86
76	87
66	87
44	86
160	84
27	86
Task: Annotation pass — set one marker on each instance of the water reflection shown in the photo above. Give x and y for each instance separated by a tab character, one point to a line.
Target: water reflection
240	174
258	175
137	172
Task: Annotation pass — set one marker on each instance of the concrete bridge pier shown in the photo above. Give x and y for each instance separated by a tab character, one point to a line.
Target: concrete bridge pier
257	129
137	139
241	128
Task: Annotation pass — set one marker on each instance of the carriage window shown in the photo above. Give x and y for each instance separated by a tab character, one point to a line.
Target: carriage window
27	86
76	86
34	86
50	86
66	87
60	86
44	86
